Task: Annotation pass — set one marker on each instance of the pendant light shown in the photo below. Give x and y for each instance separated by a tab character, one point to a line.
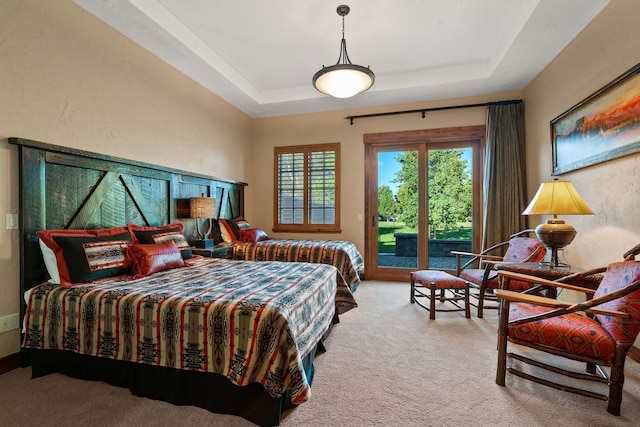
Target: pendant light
344	79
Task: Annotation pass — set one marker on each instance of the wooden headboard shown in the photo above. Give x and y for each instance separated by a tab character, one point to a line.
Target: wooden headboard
62	188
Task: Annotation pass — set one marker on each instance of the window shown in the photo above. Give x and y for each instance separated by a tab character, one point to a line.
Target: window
307	183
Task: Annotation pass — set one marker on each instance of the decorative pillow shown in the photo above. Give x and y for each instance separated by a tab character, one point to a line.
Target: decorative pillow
83	256
230	228
224	230
152	258
50	262
253	235
100	255
175	237
162	233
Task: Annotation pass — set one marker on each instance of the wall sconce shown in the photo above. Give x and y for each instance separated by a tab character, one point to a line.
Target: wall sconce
556	198
203	208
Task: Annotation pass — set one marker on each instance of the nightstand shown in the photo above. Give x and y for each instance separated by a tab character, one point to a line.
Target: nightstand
222	250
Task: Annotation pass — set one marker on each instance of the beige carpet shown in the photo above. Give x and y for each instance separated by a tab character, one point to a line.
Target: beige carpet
387	364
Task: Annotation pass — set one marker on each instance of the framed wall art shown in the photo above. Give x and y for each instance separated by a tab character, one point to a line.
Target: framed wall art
604	126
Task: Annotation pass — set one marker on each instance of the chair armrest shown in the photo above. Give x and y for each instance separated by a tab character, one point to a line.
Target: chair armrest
611	313
533	279
496	262
464	253
530	299
493	257
552	303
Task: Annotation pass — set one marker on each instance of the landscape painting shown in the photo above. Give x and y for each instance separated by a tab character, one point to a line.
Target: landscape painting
604	126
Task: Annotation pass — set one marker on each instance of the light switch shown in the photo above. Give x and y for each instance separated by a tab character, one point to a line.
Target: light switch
11	222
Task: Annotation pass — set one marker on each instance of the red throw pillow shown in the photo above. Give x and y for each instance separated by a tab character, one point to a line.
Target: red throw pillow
160	233
253	235
83	256
156	257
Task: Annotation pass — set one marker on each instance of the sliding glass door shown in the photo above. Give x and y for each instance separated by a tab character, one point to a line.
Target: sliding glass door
423	202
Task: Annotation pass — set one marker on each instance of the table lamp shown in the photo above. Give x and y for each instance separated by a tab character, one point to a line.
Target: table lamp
556	198
202	208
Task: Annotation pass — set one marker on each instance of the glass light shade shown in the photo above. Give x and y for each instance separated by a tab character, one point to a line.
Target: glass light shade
343	80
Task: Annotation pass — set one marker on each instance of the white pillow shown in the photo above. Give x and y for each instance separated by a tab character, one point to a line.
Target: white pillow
226	237
50	262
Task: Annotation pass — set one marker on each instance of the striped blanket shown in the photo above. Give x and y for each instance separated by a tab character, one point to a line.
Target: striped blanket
341	254
252	322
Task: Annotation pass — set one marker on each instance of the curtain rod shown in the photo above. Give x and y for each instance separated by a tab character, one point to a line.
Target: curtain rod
423	111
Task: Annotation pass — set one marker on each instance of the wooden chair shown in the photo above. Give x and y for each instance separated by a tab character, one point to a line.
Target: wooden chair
599	331
484	277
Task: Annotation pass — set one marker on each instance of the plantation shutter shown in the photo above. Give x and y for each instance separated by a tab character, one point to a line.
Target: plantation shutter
307	188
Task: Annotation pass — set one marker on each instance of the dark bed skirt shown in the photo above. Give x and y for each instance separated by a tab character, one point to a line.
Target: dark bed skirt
213	392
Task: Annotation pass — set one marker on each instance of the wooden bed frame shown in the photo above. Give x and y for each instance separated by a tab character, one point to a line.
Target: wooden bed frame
63	188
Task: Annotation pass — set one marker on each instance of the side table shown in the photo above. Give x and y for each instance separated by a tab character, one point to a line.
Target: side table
222	250
544	271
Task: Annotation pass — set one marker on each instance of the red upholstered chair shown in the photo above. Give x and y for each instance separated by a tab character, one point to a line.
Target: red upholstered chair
601	338
480	272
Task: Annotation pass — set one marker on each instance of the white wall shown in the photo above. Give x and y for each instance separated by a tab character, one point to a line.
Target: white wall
68	79
606	48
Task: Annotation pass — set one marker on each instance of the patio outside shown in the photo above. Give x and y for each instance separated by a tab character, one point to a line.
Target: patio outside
397	246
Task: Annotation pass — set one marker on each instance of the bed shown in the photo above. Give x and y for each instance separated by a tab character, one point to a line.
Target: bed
341	254
249	322
252	244
235	337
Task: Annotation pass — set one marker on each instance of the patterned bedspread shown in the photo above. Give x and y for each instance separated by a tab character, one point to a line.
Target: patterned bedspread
252	322
343	255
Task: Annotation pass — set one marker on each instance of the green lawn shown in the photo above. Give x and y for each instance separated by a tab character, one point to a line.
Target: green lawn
387	243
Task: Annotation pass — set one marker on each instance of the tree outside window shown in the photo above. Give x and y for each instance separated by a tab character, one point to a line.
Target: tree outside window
450	190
